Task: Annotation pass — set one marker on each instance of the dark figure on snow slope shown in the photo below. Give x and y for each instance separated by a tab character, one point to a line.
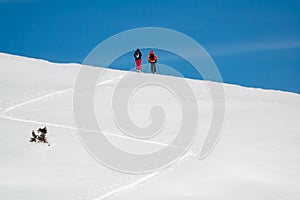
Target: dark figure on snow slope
138	60
152	58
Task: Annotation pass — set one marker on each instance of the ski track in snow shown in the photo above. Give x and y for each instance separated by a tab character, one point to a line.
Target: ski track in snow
138	182
5	113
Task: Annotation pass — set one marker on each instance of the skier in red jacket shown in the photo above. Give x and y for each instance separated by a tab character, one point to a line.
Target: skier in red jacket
152	58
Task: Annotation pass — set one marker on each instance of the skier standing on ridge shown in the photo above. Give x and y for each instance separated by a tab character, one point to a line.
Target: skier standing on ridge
138	60
152	58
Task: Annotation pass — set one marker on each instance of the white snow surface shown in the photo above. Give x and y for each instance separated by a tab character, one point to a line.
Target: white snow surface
257	156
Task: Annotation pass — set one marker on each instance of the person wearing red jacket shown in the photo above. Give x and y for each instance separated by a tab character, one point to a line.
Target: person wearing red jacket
152	58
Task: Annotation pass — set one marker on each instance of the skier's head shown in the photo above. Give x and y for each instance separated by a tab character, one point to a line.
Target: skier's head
152	52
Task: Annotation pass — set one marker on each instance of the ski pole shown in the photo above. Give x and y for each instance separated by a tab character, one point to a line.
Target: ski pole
157	68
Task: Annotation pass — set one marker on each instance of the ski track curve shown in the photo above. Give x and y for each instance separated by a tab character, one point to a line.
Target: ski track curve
146	178
5	113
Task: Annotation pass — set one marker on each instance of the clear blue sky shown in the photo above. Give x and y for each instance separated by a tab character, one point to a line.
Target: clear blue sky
254	43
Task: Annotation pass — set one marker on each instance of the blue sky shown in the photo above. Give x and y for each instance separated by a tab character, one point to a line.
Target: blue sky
254	43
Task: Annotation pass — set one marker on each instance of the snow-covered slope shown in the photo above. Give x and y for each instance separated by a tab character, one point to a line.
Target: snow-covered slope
256	158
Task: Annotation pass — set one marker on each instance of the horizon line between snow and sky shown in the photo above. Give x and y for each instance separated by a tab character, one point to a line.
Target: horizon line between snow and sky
253	43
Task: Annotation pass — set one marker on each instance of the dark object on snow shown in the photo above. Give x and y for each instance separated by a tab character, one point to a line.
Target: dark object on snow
42	130
40	138
34	136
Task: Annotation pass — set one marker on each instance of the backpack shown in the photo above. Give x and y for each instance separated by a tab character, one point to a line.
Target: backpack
137	55
152	57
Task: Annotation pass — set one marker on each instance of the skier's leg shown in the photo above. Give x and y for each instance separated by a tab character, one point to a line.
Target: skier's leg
136	65
139	65
152	68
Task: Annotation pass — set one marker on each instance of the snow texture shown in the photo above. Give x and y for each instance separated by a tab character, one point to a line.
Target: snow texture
257	156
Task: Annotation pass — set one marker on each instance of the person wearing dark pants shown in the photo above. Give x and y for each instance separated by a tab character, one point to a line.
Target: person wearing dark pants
152	58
